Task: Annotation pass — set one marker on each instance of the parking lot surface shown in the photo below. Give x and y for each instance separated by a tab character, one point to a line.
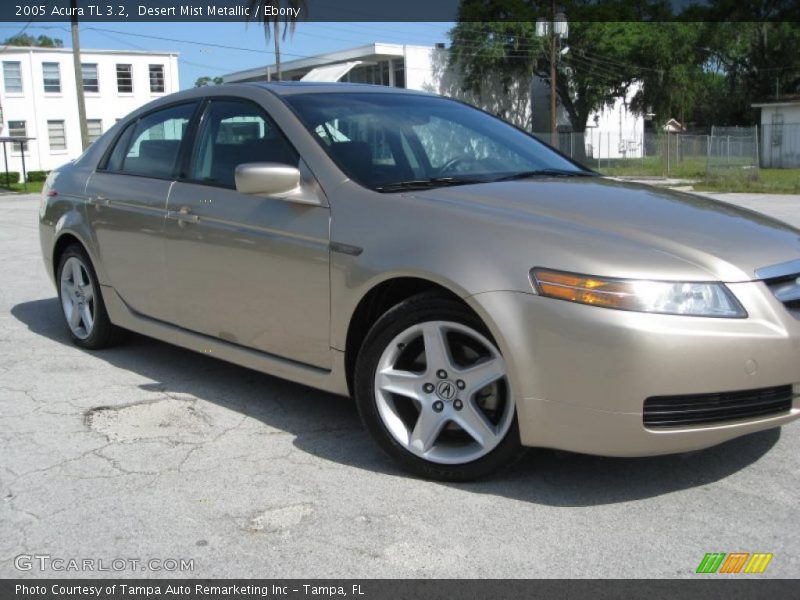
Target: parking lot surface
148	451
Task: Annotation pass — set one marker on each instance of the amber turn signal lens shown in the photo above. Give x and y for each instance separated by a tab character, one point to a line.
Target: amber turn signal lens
667	297
580	288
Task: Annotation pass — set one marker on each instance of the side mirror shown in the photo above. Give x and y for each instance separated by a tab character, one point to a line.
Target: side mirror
267	179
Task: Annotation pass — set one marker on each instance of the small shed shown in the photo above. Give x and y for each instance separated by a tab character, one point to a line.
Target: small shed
674	126
780	133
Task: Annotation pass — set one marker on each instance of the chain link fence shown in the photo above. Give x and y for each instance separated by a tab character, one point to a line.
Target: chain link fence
723	152
733	153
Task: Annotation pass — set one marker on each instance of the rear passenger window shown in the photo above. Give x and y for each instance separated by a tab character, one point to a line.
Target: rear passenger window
233	133
150	146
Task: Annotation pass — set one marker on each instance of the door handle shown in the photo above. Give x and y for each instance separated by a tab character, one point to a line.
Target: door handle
184	215
100	201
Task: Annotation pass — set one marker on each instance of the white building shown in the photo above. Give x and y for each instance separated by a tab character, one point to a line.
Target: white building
612	132
780	133
406	66
38	97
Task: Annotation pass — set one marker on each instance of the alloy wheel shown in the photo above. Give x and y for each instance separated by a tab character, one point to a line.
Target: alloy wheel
443	393
77	298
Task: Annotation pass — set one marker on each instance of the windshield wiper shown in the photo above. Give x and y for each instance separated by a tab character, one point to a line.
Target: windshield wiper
425	184
545	173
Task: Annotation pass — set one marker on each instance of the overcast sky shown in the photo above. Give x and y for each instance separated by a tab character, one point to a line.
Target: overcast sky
198	58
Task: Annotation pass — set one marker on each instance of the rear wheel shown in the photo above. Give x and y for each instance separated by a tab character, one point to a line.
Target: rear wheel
82	303
433	389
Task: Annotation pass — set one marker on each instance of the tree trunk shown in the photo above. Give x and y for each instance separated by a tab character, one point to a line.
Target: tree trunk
276	29
577	118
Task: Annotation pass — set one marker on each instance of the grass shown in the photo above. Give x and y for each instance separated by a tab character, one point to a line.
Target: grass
689	168
770	181
34	187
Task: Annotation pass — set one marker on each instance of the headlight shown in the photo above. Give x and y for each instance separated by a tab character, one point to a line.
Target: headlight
665	297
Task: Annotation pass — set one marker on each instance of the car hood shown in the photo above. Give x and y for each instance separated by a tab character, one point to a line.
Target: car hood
724	241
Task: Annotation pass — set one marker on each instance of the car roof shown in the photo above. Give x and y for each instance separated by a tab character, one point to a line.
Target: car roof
278	88
286	88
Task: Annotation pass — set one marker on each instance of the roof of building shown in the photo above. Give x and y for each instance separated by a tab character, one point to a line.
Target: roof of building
7	49
368	52
787	100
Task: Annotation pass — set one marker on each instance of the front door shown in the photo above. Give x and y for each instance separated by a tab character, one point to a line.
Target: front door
128	207
247	269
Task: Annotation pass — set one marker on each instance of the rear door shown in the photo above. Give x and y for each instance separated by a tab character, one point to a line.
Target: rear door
243	268
128	206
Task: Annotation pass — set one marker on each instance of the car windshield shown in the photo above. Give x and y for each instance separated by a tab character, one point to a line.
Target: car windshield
390	142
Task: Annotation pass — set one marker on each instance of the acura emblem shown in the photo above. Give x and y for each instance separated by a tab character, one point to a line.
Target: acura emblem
446	391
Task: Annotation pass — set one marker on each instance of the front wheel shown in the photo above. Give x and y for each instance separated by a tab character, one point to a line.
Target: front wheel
433	390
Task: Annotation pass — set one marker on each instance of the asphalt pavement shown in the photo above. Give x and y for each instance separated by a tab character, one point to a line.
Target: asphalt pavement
151	452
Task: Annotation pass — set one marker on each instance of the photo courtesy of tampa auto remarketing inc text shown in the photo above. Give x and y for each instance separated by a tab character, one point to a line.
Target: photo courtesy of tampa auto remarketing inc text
464	299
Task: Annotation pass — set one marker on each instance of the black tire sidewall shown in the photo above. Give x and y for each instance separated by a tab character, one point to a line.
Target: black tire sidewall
419	309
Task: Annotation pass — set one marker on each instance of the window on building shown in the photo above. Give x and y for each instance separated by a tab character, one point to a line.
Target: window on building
51	73
125	79
95	129
12	77
156	78
399	73
57	135
91	83
376	74
18	129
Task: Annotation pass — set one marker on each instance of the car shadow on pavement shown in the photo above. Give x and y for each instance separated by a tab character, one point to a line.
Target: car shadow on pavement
327	426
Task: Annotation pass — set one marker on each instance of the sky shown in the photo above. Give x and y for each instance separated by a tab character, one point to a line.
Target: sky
249	48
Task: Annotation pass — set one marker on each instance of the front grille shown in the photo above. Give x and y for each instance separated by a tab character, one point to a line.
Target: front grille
704	409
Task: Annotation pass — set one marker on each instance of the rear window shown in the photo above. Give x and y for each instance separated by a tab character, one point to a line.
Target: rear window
149	147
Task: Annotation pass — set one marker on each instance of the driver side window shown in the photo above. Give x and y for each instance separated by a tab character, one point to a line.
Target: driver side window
236	132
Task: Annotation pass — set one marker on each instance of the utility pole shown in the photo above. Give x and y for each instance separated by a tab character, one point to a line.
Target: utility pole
554	30
76	62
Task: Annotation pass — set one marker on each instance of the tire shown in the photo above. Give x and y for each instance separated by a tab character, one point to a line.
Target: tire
90	326
417	380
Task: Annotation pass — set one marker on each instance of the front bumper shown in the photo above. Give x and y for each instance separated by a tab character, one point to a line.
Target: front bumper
581	374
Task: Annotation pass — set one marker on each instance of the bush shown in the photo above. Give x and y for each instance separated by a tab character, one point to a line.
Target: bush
13	177
37	175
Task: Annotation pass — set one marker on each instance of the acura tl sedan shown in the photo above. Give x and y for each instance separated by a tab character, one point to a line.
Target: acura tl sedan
475	291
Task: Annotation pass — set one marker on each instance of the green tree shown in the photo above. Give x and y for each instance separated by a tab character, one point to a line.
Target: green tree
604	57
43	41
206	80
272	22
759	61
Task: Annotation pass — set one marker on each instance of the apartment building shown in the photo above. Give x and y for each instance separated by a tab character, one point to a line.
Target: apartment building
38	97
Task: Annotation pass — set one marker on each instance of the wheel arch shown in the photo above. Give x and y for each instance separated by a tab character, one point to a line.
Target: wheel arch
377	300
64	241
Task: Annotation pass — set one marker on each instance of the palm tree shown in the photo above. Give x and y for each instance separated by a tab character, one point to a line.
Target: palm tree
265	9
